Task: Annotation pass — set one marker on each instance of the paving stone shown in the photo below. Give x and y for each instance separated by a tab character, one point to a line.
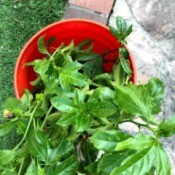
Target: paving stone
158	17
102	6
78	12
152	46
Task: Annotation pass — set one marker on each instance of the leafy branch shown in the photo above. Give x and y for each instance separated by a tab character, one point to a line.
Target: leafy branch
70	123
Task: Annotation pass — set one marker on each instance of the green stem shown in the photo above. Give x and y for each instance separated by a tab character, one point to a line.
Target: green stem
95	84
20	169
48	112
28	126
139	124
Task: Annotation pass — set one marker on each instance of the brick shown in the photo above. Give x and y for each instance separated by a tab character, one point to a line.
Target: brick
77	12
102	6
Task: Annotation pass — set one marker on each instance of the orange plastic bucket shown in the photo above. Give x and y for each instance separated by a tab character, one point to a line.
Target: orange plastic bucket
66	31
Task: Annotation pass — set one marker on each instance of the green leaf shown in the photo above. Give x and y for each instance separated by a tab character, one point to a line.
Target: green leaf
41	46
166	128
61	151
5	128
41	66
140	100
139	163
51	82
67	167
110	161
26	99
67	119
151	172
119	74
87	56
14	106
62	104
122	30
104	79
121	25
103	109
38	145
108	140
123	56
137	143
163	164
114	31
133	100
32	168
128	31
69	76
92	168
82	44
83	122
6	156
54	117
155	91
94	67
104	93
78	97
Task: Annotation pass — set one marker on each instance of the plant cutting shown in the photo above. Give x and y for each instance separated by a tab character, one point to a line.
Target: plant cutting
70	122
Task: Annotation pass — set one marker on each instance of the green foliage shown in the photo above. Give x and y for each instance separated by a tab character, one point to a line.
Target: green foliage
107	140
72	124
122	31
141	100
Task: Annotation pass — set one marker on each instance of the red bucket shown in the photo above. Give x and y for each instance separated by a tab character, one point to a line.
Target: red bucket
66	31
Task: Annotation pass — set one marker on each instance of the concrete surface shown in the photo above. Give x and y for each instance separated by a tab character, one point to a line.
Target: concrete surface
152	44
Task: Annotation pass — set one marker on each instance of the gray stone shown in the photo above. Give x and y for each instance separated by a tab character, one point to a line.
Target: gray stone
152	45
156	16
74	11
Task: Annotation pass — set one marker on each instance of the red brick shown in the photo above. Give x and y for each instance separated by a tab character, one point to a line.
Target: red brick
102	6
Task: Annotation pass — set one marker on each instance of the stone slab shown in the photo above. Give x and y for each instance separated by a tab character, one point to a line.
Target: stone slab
152	46
102	6
78	12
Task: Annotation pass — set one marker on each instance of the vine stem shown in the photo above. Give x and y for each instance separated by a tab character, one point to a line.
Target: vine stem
48	112
28	126
139	124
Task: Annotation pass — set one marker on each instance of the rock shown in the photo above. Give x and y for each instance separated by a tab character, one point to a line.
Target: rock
156	16
152	45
